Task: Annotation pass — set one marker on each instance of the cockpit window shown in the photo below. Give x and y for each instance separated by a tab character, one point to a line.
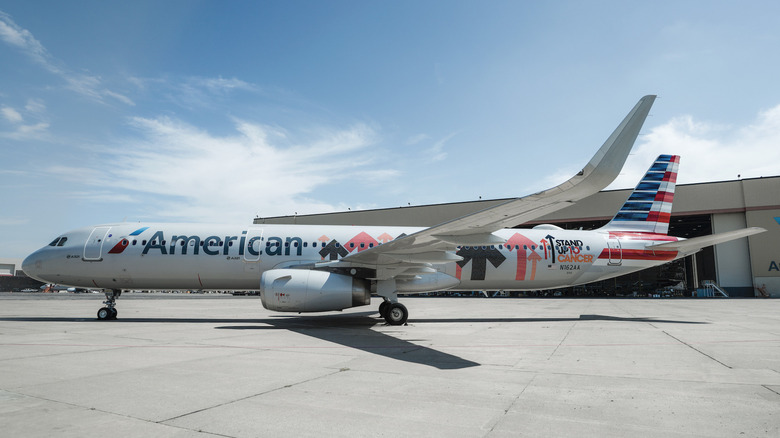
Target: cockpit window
59	241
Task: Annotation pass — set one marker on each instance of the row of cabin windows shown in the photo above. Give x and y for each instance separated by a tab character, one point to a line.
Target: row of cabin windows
212	243
509	247
60	241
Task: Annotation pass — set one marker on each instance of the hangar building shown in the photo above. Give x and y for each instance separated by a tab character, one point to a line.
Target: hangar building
745	267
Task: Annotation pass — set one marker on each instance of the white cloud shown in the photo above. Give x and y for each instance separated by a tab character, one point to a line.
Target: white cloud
709	152
22	39
33	109
179	171
11	114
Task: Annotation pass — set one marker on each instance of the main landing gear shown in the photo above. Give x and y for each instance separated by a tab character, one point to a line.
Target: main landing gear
391	310
393	313
109	312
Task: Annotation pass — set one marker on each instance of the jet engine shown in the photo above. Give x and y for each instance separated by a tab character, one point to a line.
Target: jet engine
302	290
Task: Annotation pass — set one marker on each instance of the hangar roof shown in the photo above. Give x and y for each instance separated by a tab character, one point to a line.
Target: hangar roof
690	199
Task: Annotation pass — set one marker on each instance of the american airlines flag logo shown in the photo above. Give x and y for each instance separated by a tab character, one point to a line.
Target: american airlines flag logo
651	200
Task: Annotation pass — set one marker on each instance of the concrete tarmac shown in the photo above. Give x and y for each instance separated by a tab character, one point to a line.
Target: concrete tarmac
199	366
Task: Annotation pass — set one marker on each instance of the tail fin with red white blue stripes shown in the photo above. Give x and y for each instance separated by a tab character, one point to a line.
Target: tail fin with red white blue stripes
650	205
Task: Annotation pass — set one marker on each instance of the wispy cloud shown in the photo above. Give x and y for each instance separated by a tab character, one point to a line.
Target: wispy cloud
11	114
436	152
413	140
23	40
12	221
180	171
199	92
21	130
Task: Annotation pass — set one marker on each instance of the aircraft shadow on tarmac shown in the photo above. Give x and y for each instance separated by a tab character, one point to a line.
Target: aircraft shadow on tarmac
354	331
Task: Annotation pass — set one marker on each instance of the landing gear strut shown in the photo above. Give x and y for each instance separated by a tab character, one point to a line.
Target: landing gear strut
109	312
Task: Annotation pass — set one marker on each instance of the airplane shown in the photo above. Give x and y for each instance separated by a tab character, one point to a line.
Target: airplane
308	268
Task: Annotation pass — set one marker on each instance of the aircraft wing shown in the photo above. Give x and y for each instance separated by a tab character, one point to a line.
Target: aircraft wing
429	245
692	245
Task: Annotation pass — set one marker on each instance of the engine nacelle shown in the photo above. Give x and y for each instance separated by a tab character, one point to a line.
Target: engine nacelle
303	290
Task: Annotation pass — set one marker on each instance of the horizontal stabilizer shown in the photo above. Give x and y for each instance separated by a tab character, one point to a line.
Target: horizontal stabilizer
690	246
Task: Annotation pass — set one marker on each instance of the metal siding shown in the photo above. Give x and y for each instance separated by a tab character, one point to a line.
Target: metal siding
6	269
732	259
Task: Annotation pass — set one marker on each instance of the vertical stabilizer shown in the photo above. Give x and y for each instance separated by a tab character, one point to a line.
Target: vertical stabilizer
650	205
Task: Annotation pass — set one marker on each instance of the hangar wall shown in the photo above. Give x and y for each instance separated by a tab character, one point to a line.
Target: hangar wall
765	254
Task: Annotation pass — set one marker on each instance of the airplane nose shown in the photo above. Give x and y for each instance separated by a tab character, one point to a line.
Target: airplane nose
32	265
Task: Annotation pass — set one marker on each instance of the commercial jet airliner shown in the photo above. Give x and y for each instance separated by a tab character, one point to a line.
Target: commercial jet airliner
308	268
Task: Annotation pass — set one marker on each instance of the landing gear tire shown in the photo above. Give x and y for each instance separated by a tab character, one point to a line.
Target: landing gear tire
109	312
396	314
383	309
105	313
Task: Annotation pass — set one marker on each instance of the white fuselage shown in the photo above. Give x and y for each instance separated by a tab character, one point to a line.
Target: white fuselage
196	256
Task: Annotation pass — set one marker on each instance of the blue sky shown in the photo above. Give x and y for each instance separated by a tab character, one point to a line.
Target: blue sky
220	111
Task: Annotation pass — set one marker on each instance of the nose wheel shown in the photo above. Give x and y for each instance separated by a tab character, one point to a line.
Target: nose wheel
109	312
106	313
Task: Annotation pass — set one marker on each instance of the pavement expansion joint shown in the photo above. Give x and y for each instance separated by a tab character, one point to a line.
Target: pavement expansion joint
770	388
571	327
695	349
289	385
510	406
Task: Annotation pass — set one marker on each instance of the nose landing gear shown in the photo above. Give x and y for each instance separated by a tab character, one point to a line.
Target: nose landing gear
109	312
